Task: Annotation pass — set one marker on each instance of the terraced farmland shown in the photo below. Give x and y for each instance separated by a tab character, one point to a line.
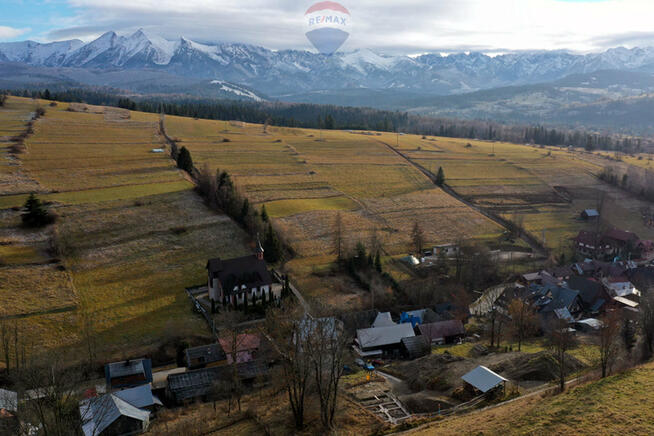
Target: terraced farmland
544	188
306	178
131	234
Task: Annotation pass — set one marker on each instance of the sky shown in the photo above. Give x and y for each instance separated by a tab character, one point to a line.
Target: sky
393	27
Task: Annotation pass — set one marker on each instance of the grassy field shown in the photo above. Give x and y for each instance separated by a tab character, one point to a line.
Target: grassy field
615	405
131	232
545	188
305	178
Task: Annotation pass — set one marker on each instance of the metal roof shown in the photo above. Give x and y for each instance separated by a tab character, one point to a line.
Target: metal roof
379	337
100	412
140	396
417	346
483	379
8	400
205	353
383	319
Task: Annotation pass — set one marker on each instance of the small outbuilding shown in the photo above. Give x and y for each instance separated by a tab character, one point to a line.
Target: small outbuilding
128	373
484	380
443	332
416	346
205	356
382	340
590	214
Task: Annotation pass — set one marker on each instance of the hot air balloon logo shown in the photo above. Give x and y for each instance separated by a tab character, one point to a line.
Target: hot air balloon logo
327	25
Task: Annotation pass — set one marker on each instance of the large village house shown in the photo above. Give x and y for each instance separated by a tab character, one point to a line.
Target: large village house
241	281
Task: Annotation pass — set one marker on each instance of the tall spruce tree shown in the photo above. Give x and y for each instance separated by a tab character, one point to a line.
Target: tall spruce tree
184	160
272	249
35	214
440	177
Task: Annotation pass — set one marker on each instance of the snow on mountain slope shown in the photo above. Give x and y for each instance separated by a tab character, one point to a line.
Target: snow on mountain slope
30	52
292	71
236	90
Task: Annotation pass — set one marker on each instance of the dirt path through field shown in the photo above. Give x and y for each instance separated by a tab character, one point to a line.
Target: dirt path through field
530	240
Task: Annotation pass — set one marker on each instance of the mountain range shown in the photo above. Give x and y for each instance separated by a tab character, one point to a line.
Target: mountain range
515	86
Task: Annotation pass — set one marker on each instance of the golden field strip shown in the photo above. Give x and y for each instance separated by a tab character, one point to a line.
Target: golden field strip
131	232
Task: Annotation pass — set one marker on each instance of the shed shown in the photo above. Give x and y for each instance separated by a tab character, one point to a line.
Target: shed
416	346
205	355
443	332
588	324
483	379
590	214
128	373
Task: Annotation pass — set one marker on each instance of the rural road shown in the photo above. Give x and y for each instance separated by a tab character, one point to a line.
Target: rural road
530	240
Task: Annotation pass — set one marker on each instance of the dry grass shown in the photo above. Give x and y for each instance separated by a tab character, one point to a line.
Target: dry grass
615	405
117	204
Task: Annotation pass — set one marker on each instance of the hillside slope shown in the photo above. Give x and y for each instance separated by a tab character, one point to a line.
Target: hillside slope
620	404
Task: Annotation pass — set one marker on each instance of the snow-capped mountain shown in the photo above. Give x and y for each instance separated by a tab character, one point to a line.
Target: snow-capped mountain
288	73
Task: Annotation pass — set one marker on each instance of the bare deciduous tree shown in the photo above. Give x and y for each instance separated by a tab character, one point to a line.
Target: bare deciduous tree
609	340
418	238
338	236
523	319
561	340
289	338
327	344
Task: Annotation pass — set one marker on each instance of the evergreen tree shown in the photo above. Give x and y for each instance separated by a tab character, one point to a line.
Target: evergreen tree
440	177
245	210
378	265
35	214
184	160
329	122
46	95
264	214
272	249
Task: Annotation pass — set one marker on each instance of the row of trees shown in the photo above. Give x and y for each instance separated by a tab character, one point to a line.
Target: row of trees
340	117
220	192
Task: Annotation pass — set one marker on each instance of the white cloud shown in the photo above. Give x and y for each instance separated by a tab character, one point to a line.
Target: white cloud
10	32
409	26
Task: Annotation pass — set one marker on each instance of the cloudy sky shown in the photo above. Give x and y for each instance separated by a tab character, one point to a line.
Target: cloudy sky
402	26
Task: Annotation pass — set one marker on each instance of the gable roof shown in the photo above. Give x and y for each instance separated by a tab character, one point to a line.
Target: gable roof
442	329
382	336
100	412
206	353
591	213
483	379
383	319
140	396
559	297
129	368
416	346
589	290
247	270
623	236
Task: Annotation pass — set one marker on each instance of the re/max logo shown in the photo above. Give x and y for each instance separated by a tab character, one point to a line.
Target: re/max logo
323	19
